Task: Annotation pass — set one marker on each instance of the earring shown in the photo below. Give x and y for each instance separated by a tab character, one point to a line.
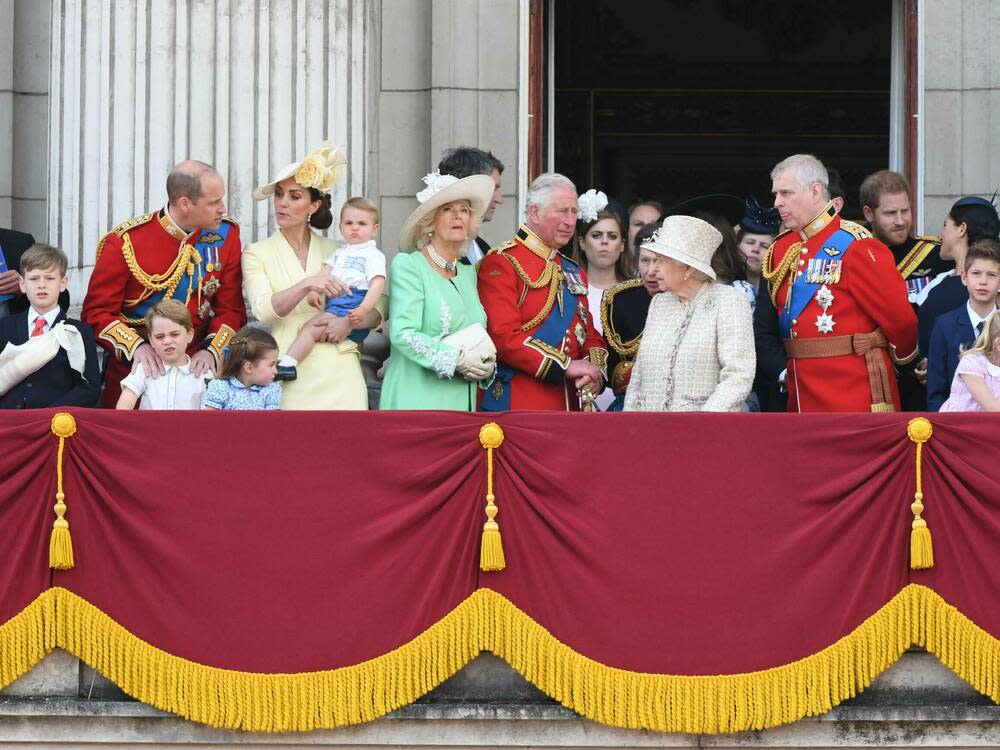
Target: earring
687	276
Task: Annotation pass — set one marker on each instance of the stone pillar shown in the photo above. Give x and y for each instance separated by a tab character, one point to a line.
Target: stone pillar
961	113
245	85
448	76
24	87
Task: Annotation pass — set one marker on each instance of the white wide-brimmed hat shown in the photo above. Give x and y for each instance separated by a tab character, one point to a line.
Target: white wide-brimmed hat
441	190
687	240
320	170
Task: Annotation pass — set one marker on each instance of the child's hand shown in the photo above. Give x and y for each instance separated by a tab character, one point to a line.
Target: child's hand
315	300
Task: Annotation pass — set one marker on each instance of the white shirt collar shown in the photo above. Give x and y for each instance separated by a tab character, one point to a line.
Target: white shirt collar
50	317
185	368
360	245
974	317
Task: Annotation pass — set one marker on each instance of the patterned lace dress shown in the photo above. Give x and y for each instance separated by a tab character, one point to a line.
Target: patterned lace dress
424	308
694	356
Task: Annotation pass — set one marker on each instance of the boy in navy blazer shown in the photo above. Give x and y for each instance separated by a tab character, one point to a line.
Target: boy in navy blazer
56	382
958	328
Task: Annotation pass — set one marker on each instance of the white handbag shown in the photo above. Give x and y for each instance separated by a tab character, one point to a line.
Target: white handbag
473	339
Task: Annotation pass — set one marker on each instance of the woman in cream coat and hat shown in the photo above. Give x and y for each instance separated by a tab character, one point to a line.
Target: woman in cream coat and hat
435	302
279	273
697	351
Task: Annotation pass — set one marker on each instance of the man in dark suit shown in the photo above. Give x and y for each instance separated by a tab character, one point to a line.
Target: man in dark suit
12	246
958	328
466	161
60	368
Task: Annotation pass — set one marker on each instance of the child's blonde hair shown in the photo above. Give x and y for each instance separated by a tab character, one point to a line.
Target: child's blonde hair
251	344
361	204
170	309
985	340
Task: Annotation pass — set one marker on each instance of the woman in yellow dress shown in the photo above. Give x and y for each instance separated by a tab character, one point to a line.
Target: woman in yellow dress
279	273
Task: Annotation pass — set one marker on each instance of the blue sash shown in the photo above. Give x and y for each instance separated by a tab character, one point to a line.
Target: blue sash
835	248
209	246
551	331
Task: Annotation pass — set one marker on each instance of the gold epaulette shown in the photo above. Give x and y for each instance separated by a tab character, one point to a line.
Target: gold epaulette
230	219
858	231
501	247
121	229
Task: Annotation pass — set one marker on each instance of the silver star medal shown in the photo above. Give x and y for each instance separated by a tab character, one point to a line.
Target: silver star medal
824	322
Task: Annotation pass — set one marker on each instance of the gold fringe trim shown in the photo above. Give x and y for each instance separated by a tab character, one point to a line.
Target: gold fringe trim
28	637
486	621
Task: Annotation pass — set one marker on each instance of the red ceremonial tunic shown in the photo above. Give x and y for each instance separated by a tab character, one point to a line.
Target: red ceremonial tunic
507	276
137	255
869	294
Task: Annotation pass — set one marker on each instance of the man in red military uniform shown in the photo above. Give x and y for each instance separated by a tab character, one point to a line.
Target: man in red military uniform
837	304
548	350
187	251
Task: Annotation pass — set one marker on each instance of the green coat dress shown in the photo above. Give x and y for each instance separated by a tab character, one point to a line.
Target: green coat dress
424	308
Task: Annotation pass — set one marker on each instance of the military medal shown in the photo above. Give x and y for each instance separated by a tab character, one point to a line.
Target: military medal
574	282
210	287
825	321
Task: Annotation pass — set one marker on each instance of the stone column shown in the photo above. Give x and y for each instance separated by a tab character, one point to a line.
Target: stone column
24	86
961	113
448	77
245	85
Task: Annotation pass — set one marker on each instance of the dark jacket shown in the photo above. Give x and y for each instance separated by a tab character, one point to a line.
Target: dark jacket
55	383
951	331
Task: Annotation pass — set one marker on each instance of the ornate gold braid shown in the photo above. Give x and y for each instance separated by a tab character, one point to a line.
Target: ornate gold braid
168	280
626	349
552	276
776	276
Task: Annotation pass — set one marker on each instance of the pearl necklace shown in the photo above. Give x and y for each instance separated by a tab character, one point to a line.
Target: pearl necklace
447	266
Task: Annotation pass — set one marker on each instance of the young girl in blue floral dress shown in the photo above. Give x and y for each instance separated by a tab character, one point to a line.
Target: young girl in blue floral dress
246	379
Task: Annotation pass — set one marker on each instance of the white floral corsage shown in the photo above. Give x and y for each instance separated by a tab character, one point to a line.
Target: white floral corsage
590	203
435	182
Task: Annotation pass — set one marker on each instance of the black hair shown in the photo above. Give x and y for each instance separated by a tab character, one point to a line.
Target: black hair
466	161
981	222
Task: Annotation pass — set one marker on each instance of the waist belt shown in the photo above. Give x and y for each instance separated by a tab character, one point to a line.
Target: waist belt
861	344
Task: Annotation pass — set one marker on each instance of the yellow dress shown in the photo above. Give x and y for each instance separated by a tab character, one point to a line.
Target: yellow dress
330	377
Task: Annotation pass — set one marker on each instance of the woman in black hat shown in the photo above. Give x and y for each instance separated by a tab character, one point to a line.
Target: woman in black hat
755	234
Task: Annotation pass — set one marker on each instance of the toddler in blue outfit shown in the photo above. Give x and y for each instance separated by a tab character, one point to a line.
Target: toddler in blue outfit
360	265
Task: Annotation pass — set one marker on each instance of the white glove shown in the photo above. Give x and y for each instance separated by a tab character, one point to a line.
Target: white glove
474	367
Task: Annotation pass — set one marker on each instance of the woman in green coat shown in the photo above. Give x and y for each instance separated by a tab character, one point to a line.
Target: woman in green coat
433	296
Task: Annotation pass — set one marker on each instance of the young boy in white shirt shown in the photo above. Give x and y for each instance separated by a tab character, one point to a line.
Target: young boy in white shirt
170	331
361	266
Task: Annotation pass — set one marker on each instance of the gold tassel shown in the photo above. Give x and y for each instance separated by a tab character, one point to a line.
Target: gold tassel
61	543
921	548
491	549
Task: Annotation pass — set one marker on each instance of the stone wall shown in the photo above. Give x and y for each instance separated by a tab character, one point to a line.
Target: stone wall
448	75
24	101
961	103
915	703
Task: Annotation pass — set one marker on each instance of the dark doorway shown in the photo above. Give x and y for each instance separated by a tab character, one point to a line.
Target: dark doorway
669	99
